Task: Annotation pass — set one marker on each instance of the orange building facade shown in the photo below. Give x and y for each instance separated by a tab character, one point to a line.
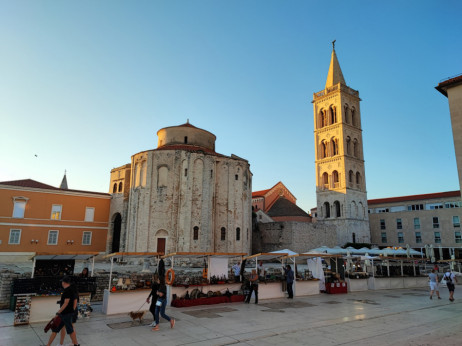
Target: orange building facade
36	217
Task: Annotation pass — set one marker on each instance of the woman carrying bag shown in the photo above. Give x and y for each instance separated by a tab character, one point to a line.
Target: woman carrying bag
160	307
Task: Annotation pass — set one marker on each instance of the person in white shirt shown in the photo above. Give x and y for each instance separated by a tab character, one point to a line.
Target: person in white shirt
450	282
237	272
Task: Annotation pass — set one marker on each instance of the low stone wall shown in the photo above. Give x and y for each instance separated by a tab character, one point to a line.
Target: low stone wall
6	285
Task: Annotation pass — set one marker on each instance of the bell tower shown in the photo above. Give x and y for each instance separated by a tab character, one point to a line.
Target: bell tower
340	175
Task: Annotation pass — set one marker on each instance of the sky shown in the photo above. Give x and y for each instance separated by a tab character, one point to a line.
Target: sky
84	85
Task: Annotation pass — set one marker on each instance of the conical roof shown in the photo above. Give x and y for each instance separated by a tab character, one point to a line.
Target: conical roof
64	182
335	74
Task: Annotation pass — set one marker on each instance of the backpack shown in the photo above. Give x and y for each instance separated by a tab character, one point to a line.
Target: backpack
448	278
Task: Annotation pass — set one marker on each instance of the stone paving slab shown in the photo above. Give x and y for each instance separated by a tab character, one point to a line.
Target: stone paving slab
389	317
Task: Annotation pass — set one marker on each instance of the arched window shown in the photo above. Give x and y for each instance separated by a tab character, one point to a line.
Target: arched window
114	188
335	179
355	148
196	233
353	116
325	180
223	233
323	149
347	113
334	144
350	176
320	118
238	234
162	176
348	145
120	187
358	178
333	114
324	118
354	210
326	209
337	209
354	237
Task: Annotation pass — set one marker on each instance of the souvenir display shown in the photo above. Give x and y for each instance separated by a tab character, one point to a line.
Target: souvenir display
22	309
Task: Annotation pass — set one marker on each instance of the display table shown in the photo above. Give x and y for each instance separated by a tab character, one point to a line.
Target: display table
180	291
180	303
124	301
336	287
43	308
270	290
357	285
306	288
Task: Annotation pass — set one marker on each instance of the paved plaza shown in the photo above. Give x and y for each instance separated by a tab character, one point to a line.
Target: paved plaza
388	317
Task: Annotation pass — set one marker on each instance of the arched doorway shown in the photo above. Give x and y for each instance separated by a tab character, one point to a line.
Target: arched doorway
117	225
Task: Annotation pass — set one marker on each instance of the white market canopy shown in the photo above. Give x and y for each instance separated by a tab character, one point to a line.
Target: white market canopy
203	254
363	251
83	256
114	255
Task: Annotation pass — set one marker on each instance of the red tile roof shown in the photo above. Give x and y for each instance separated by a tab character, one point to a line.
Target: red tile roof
415	197
38	185
447	83
260	193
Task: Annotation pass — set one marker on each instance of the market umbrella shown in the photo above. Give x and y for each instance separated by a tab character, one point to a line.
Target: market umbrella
432	253
441	252
427	251
408	250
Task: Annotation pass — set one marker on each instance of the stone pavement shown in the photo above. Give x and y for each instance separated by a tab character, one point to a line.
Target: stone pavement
388	317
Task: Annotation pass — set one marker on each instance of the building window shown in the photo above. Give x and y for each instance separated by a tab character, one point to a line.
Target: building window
337	210
384	237
186	140
382	224
456	221
399	224
196	233
56	212
89	214
18	209
15	237
335	179
458	237
326	209
52	238
114	188
325	180
415	207
86	239
120	186
416	223
418	237
348	145
223	233
434	206
185	172
437	237
452	204
238	234
354	237
400	237
436	223
236	177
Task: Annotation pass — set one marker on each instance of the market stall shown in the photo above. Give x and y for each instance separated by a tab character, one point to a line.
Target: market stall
127	292
313	280
271	284
205	285
395	273
37	297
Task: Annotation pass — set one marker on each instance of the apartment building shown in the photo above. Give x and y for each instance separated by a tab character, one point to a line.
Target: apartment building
35	217
418	220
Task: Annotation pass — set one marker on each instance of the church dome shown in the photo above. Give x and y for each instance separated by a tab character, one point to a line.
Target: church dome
185	134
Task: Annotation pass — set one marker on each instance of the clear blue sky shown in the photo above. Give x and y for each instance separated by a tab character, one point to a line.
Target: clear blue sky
86	84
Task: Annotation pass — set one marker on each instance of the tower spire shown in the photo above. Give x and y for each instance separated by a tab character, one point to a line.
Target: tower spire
335	74
64	182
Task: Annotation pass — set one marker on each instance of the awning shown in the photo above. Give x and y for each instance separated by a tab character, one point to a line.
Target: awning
267	256
64	256
203	254
132	255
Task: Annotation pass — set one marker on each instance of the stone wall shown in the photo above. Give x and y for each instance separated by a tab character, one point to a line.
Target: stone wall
6	285
296	236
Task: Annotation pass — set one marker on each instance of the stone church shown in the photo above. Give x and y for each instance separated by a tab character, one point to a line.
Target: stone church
340	175
181	197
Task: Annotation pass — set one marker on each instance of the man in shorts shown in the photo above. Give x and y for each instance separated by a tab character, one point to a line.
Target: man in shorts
450	282
433	278
66	312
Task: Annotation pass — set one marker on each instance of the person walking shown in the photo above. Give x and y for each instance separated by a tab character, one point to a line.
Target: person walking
290	281
75	316
66	312
237	272
450	282
433	278
253	286
152	308
160	306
